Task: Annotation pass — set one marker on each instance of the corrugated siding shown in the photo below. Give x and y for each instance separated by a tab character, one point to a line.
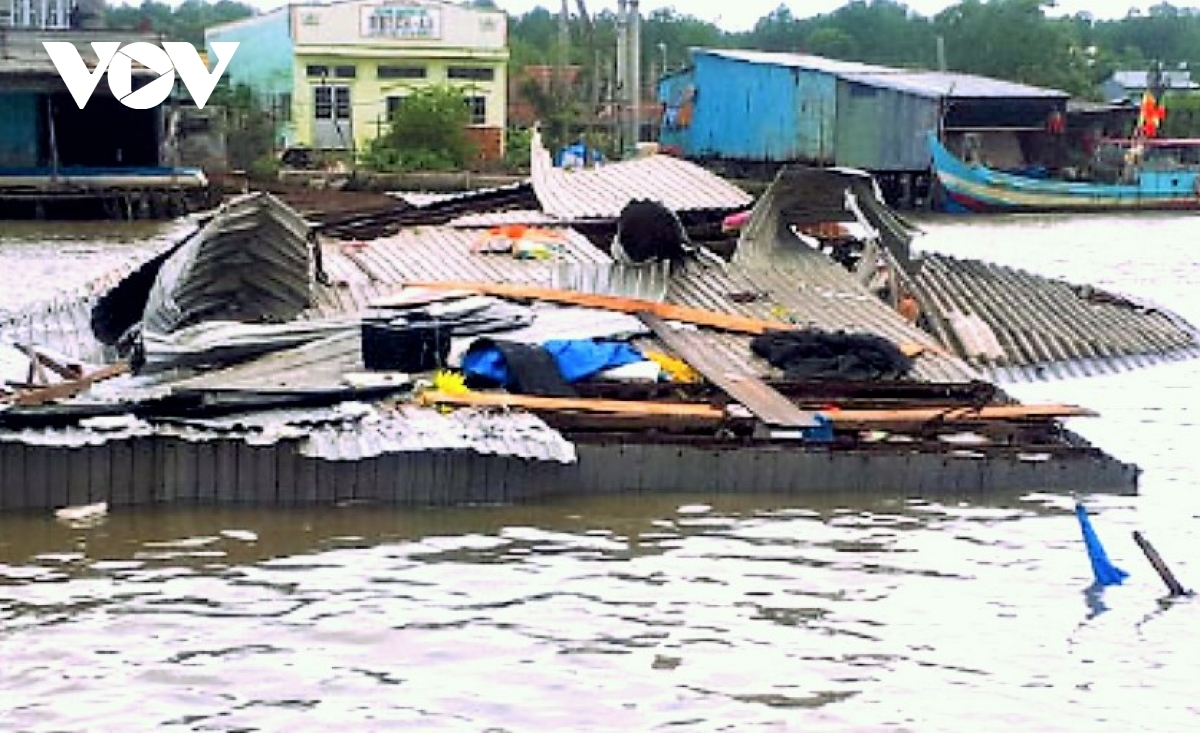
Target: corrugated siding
162	471
748	111
898	145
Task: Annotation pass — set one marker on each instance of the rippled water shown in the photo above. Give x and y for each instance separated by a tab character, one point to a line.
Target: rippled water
852	612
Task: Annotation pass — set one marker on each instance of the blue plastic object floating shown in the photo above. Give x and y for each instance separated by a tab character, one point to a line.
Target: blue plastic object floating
1106	573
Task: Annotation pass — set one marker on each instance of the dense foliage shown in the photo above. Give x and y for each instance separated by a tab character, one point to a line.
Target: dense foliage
427	132
185	22
1006	39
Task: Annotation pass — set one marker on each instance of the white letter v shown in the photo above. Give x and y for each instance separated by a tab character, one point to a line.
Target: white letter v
74	72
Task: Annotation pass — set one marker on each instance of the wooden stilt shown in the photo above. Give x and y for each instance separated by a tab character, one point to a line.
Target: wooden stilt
1160	566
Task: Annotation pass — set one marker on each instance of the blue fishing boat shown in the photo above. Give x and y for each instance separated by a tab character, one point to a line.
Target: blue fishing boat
1126	175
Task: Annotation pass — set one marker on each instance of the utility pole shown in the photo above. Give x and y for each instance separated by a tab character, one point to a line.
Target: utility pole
559	78
621	91
635	73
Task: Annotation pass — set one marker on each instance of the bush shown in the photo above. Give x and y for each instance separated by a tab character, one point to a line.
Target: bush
263	168
516	148
427	132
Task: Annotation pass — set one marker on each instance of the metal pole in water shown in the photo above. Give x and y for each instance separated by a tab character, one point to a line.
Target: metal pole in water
1163	571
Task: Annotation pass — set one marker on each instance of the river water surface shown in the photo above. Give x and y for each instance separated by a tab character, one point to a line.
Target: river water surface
830	613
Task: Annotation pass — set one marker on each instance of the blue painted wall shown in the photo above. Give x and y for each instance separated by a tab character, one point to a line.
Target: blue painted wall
676	94
759	112
19	129
263	61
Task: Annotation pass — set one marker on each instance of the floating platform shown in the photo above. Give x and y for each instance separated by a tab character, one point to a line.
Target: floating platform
230	368
103	193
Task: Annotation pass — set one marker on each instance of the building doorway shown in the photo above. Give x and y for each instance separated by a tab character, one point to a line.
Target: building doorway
332	127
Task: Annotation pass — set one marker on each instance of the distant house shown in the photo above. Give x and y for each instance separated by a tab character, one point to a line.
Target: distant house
749	110
336	72
1132	84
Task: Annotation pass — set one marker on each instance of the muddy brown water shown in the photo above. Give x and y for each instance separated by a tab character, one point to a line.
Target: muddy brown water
840	612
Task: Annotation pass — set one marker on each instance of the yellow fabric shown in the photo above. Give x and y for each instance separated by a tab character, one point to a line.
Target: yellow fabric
677	369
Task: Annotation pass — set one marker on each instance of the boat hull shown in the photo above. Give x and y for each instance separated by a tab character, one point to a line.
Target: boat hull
975	188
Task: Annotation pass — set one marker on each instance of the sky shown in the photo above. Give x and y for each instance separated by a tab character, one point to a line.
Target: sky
741	15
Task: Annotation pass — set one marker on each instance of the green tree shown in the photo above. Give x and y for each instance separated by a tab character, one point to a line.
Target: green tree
427	132
1012	39
183	23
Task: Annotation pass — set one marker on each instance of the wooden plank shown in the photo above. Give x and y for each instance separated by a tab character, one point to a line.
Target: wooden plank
64	390
634	306
581	404
668	311
957	414
757	396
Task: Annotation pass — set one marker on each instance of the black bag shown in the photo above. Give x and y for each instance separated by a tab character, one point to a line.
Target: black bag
404	347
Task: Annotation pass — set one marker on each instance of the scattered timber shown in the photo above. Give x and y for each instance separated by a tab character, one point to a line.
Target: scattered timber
769	406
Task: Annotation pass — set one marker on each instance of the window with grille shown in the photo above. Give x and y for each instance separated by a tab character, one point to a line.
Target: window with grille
478	109
401	72
471	73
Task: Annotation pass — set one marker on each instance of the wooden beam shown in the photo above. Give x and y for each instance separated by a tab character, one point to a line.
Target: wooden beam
957	414
768	405
666	311
63	390
633	306
578	404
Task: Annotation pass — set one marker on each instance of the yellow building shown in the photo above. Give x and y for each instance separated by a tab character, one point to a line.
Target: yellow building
337	71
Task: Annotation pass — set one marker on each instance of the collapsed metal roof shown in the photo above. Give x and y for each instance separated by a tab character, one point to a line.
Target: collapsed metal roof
601	192
1017	325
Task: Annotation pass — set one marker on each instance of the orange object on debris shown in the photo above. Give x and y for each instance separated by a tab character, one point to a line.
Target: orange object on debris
505	237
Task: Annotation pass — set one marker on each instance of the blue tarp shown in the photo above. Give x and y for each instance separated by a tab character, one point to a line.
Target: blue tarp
576	358
578	155
1104	571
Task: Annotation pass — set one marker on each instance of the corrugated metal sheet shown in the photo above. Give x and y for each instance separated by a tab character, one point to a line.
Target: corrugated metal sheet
601	193
762	112
63	323
1051	328
794	60
807	290
411	429
144	472
335	434
753	106
425	199
502	218
443	253
899	145
949	85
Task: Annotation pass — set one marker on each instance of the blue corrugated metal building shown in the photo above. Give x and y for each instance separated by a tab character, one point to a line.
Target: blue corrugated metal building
751	109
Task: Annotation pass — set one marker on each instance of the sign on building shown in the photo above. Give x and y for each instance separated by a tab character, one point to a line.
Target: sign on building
401	21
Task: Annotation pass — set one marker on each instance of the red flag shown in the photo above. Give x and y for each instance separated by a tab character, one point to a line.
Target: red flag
1151	115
